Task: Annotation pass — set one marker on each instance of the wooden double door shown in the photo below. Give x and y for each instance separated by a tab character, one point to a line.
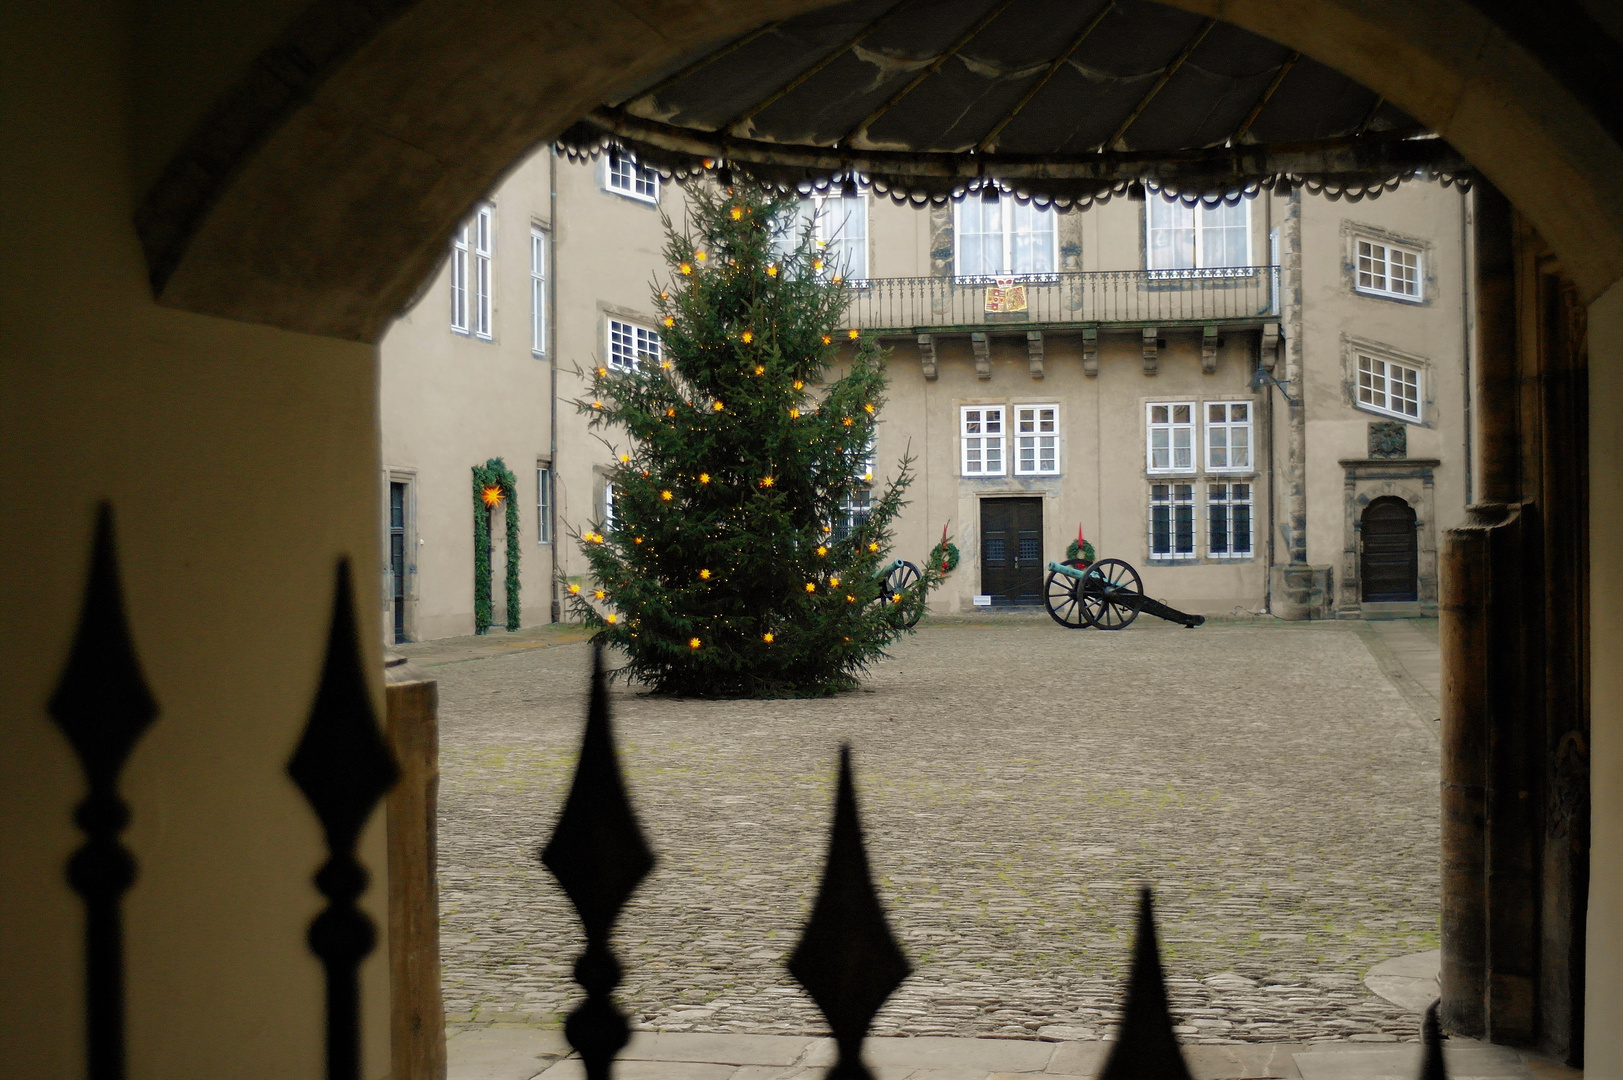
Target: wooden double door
1012	550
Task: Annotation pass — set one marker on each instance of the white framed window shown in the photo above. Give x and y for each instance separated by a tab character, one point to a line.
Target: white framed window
839	226
459	279
854	512
1228	521
543	503
538	290
1386	386
1170	436
622	175
1385	269
608	506
1172	521
982	439
484	244
1036	440
1228	436
1180	237
1002	238
632	347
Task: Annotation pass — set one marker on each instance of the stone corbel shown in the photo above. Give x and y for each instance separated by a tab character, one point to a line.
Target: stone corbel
1208	351
927	356
983	356
1090	352
1034	352
1152	350
1270	346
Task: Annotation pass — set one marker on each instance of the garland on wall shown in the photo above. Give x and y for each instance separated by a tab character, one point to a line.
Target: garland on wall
493	483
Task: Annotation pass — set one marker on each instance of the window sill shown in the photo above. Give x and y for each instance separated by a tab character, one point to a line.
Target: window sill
1376	294
1417	421
646	200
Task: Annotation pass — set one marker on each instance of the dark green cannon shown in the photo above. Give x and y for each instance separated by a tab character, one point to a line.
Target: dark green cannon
1107	594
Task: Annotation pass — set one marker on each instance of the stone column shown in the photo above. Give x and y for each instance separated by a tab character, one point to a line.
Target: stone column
1300	591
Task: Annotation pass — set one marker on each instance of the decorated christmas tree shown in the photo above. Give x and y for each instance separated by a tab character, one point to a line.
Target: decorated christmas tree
749	539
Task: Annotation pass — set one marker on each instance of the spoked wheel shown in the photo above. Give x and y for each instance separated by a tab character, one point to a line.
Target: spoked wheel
1111	594
901	594
1063	597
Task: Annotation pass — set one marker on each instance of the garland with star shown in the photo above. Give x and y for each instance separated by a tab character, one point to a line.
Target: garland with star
493	484
736	564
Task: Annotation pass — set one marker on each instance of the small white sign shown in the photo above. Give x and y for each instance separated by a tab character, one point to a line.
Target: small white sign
983	600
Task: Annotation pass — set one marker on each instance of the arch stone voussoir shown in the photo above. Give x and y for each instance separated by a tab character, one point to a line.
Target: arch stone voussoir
320	194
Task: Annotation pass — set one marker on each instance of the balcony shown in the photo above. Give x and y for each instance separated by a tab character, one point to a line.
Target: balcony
1235	295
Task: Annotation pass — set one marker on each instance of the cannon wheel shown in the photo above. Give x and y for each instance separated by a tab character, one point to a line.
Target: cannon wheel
1062	600
904	576
1112	594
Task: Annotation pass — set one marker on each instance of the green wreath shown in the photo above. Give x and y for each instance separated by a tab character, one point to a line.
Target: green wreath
945	555
493	482
1083	551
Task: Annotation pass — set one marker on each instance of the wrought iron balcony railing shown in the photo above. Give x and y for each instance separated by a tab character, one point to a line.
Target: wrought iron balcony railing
1126	297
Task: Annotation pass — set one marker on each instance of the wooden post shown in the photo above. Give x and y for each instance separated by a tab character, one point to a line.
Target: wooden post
417	1020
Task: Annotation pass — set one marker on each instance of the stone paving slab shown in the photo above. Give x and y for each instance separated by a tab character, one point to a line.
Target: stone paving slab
1409	981
1464	1063
524	1053
1018	782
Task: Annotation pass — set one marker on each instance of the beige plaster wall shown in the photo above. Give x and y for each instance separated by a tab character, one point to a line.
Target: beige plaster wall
1432	333
607	253
450	401
242	463
1102	485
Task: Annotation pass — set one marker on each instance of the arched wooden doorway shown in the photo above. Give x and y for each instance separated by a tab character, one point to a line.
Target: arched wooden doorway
1389	556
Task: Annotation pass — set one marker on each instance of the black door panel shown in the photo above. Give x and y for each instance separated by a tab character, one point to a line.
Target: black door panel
1012	550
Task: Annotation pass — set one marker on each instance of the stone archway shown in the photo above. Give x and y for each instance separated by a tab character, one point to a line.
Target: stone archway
319	205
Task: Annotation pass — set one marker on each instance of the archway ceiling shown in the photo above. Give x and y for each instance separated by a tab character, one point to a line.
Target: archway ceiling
1054	99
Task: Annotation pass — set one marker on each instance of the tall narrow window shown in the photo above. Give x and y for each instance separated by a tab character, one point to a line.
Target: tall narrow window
1002	238
1172	521
1228	436
624	176
608	506
1386	386
538	291
459	279
484	240
1228	521
543	504
632	347
1388	270
982	440
1170	435
1197	237
1036	440
839	228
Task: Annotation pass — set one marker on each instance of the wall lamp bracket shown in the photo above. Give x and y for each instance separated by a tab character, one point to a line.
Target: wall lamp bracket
1262	376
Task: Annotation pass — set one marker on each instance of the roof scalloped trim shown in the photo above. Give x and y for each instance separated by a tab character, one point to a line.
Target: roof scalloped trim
1351	170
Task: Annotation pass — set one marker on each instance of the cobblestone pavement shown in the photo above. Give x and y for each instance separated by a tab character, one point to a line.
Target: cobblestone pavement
1017	781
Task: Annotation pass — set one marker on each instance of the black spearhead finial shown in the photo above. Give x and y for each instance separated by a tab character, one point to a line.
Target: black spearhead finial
1431	1055
1146	1048
848	959
344	768
103	706
598	854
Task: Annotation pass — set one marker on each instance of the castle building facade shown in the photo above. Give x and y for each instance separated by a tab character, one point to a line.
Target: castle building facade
1262	404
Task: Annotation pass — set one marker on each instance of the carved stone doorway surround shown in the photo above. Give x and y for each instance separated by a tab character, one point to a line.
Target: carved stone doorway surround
1410	479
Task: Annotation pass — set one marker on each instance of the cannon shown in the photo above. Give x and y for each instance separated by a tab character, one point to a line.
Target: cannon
1107	594
896	591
